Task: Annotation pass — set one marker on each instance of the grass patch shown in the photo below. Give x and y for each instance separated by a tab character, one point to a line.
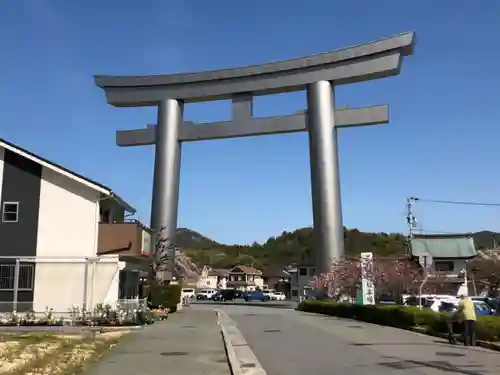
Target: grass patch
49	354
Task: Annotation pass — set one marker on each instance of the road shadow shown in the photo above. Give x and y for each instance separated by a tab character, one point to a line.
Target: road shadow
388	344
469	369
437	343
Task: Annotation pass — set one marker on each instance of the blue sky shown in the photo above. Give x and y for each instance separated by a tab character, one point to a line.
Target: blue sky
441	142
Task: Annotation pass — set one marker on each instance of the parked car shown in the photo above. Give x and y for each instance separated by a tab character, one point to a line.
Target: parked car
450	306
482	308
188	292
238	293
223	295
269	293
206	294
256	296
279	296
491	302
218	296
446	305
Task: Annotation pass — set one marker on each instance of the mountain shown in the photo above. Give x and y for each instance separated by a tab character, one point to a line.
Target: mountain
295	247
486	239
187	238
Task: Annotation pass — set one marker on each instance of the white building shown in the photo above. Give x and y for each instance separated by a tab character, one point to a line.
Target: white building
211	278
59	232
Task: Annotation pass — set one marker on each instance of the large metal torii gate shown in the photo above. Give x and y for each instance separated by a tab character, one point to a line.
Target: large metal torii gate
318	74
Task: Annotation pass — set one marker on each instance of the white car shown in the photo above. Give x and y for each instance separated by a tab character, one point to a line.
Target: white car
188	292
269	293
206	294
279	296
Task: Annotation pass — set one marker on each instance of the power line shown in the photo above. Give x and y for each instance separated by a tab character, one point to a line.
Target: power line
456	202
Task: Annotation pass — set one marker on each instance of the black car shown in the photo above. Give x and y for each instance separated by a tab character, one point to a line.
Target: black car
219	296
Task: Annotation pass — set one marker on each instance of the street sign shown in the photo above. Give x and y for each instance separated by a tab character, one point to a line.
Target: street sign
425	260
367	285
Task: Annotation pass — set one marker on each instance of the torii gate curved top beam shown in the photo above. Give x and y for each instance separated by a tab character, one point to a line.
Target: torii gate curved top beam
378	59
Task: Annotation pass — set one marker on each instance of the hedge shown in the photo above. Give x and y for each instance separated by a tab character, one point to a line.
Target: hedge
167	296
487	327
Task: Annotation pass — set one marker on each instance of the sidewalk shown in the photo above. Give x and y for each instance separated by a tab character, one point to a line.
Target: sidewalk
188	343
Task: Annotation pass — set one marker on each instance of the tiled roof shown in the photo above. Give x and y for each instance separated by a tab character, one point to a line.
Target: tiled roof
246	269
444	246
218	272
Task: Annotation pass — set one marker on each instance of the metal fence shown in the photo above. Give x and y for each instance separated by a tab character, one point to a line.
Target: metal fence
65	285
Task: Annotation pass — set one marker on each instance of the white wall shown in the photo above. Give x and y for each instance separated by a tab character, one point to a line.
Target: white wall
68	217
259	281
107	281
60	283
2	155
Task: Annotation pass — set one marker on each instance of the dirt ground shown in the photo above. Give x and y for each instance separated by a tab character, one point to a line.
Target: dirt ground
54	354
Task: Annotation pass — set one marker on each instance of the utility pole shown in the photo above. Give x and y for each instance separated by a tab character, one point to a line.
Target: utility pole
411	221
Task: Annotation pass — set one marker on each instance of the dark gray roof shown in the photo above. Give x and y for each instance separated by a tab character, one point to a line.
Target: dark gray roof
38	158
276	273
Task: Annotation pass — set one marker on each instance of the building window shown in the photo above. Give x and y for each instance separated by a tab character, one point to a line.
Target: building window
8	276
313	271
444	266
10	212
295	293
303	271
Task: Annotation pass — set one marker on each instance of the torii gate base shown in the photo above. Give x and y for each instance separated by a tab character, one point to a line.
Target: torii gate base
317	74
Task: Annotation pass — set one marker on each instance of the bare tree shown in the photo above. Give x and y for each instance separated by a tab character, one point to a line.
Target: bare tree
486	271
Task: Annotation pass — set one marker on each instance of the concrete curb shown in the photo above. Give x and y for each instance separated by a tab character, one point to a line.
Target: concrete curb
241	358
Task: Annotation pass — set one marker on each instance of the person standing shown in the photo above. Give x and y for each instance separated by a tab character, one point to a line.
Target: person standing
468	311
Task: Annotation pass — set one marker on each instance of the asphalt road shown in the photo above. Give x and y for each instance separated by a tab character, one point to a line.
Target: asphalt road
242	302
288	342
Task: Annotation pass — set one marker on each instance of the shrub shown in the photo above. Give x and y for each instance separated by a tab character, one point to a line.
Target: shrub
167	296
487	327
173	297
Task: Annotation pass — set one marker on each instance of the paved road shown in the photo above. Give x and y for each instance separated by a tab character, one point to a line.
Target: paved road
241	302
188	343
288	342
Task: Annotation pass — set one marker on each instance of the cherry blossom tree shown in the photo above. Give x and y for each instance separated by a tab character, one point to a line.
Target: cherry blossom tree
392	277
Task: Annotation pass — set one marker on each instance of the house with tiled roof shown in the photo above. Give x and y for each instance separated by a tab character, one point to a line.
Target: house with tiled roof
450	254
245	278
213	278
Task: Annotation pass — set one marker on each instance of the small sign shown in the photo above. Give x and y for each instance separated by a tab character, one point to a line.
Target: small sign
367	285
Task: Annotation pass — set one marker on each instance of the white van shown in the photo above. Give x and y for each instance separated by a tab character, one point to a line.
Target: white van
187	292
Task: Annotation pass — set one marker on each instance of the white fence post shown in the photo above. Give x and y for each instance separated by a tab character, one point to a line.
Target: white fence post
85	284
16	285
